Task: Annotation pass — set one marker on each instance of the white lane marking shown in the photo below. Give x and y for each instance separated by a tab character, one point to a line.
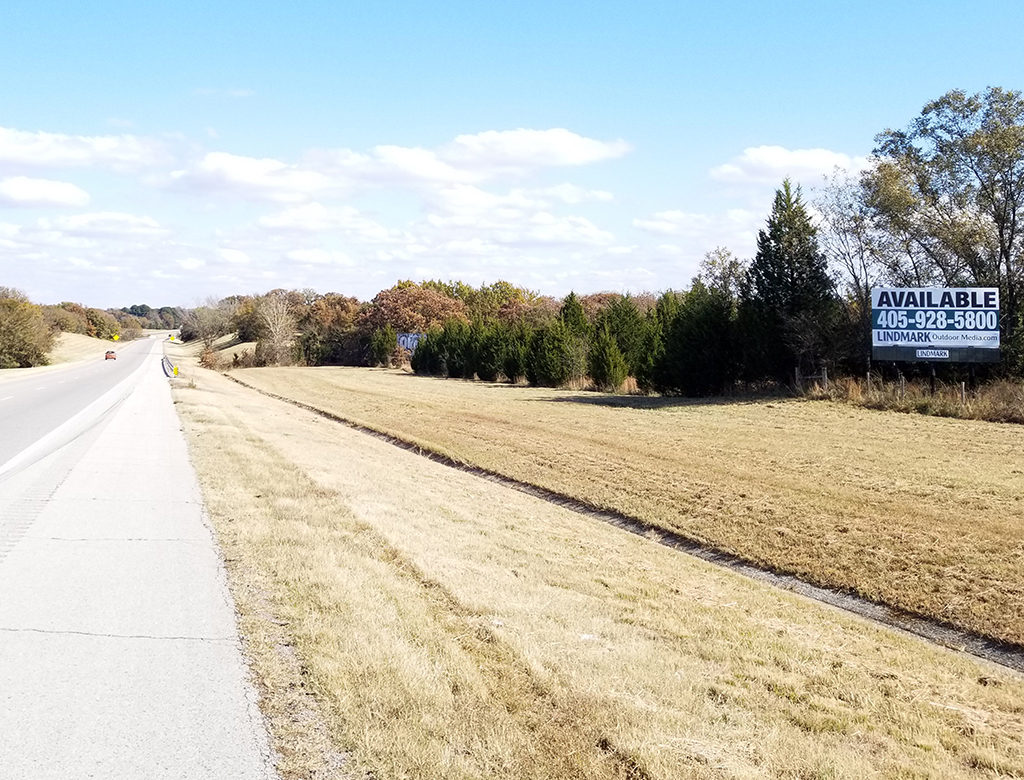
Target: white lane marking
7	398
41	388
61	382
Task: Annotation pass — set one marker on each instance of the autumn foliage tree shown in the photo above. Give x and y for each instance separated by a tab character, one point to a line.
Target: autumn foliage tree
412	308
328	332
25	337
948	191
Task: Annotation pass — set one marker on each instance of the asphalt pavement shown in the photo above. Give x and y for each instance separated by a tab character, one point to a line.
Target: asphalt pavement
119	652
32	405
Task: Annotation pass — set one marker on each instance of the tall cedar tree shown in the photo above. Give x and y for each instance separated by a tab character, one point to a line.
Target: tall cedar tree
574	317
628	327
789	297
606	364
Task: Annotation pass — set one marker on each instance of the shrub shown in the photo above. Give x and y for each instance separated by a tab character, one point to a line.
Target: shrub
209	358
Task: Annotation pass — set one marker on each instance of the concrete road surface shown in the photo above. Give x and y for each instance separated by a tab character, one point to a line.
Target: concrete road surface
119	654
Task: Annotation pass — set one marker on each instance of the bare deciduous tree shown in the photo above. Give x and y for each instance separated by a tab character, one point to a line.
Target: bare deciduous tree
278	329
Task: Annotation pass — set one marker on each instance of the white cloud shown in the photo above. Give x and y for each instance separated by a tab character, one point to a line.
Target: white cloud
22	191
319	257
419	164
234	256
700	226
191	263
771	164
695	234
469	159
107	224
251	178
523	150
513	219
317	218
122	152
571	194
547	228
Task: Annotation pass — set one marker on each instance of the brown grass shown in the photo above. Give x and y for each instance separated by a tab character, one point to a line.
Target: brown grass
447	627
916	512
998	401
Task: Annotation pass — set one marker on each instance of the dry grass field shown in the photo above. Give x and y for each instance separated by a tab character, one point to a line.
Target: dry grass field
921	513
407	620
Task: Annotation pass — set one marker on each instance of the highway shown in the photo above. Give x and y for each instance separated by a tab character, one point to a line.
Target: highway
119	653
35	404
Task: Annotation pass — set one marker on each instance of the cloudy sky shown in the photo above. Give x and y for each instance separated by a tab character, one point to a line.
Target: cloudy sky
163	153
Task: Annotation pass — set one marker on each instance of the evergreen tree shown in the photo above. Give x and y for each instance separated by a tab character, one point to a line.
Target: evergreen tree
699	356
574	318
557	356
788	295
383	344
429	357
607	365
628	327
491	349
517	351
458	349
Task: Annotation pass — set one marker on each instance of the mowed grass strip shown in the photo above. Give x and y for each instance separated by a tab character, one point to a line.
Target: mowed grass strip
452	628
921	513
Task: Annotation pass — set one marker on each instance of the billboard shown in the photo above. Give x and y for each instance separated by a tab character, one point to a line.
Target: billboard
944	324
409	341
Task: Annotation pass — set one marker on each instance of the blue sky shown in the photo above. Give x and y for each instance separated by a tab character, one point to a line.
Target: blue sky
166	153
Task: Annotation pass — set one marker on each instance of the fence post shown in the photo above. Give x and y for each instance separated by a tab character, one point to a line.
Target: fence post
963	392
824	377
903	386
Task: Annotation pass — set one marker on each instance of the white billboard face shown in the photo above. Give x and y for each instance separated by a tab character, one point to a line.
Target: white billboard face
959	324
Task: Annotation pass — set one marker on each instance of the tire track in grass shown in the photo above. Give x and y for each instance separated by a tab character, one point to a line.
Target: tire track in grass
946	635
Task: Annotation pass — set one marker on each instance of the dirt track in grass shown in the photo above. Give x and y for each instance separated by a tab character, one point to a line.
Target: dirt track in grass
923	514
